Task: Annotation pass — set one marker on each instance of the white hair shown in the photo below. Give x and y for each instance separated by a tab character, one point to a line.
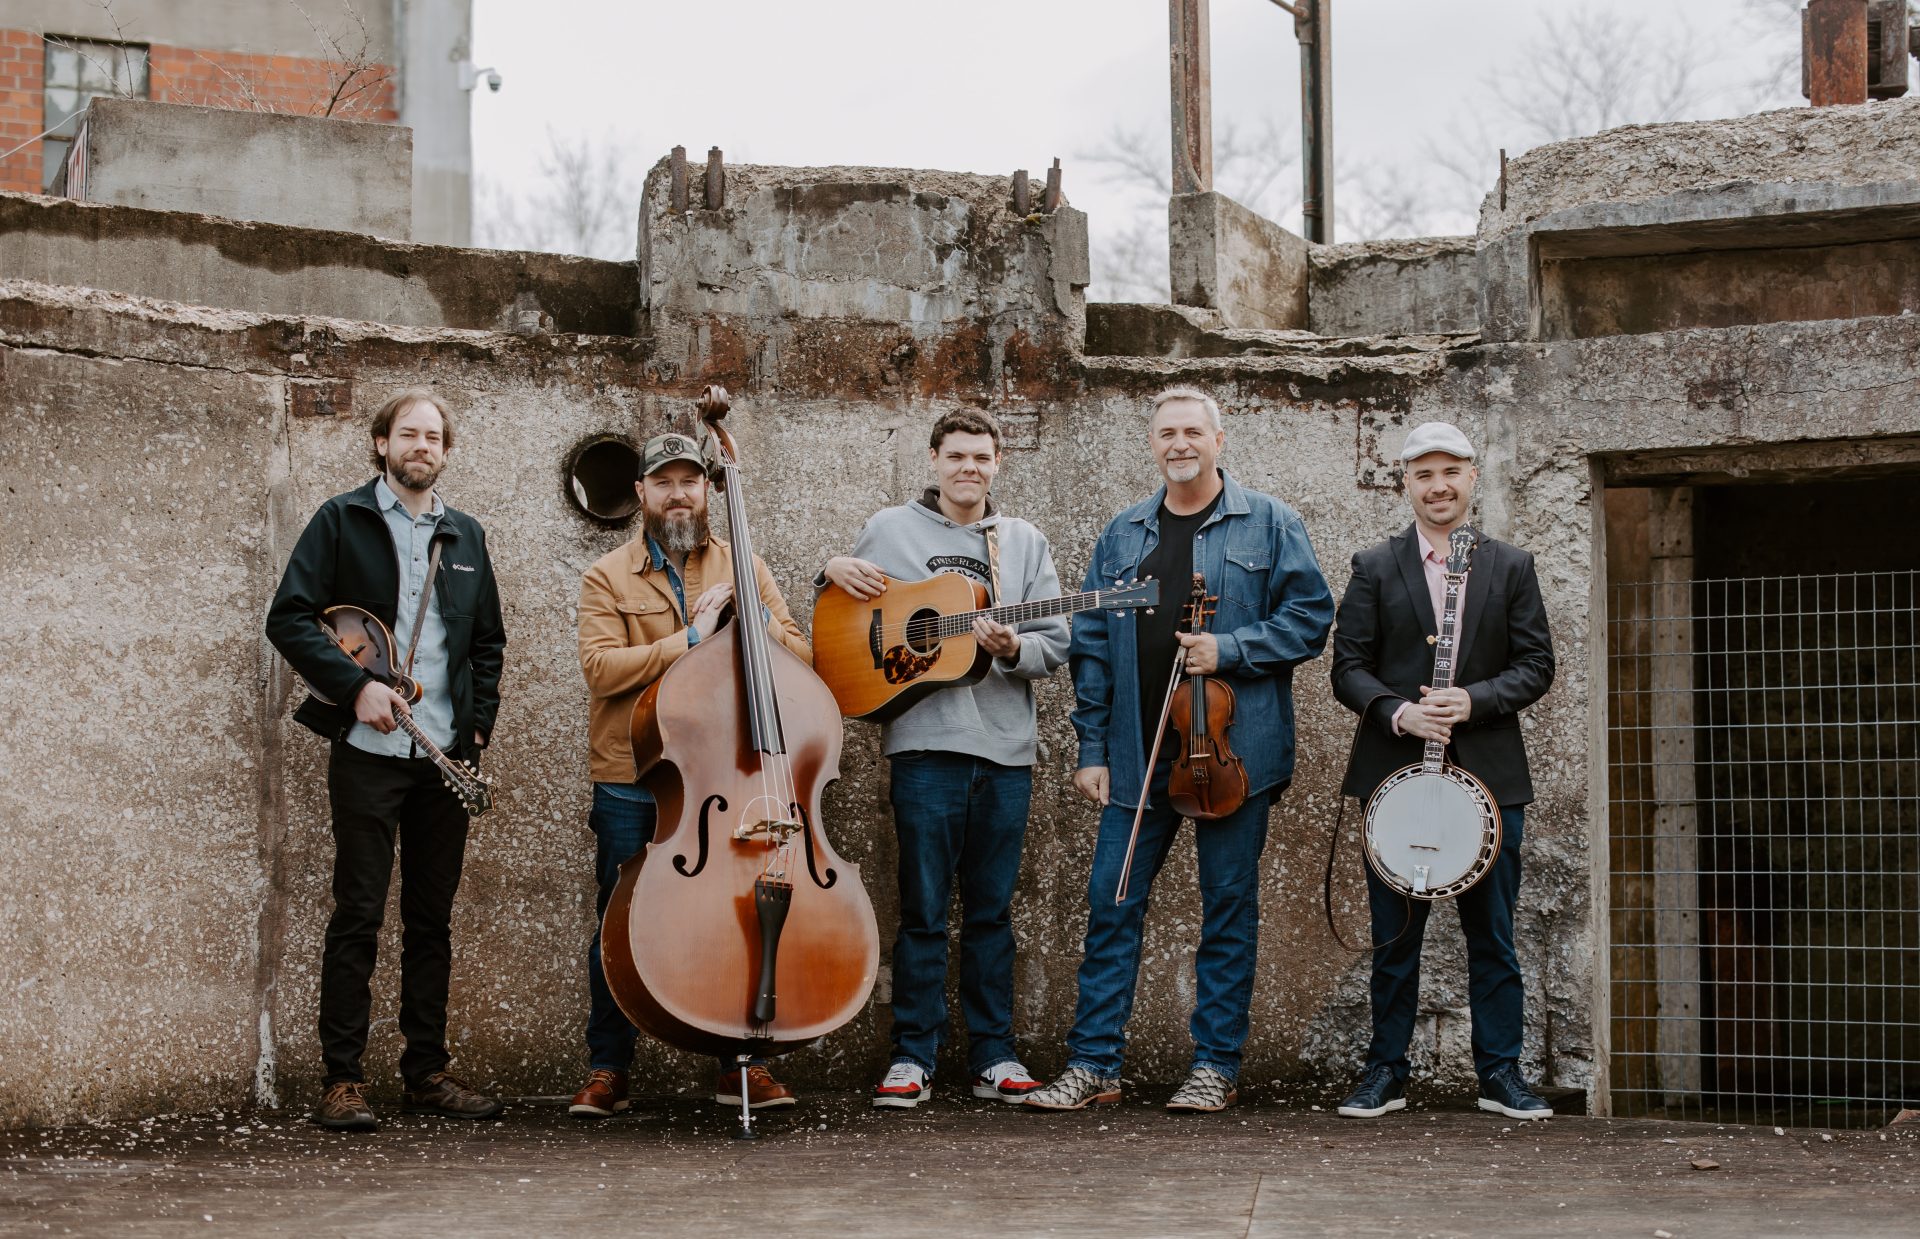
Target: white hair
1189	393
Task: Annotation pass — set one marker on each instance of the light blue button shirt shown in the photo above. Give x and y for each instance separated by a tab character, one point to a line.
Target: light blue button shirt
412	544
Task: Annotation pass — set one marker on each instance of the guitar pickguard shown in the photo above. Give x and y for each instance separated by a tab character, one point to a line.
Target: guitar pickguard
901	665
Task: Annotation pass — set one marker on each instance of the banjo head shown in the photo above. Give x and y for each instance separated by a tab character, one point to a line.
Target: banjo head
1432	834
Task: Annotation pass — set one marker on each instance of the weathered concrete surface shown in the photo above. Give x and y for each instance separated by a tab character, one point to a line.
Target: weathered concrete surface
276	269
1424	286
1652	189
837	1168
228	25
835	399
1224	257
307	171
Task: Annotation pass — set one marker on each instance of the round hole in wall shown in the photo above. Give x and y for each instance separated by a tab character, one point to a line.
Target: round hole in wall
600	474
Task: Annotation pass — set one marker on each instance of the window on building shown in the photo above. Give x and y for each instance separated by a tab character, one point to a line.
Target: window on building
76	71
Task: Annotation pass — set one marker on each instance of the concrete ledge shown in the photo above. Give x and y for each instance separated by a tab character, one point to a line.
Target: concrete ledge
1224	257
307	171
276	269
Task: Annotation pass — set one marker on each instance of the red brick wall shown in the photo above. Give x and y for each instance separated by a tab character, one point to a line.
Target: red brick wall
22	106
298	84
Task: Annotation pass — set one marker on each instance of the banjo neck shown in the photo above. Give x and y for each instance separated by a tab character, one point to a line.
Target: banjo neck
1435	754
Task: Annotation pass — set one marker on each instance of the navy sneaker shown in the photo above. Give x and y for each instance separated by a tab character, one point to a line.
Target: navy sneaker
1505	1091
1377	1093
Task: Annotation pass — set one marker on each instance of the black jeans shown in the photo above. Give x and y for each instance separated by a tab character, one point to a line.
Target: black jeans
378	801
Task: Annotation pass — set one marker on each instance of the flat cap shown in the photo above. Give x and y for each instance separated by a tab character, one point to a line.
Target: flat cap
1436	437
666	448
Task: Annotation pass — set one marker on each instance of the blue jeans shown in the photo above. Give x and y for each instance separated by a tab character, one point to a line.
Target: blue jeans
955	813
1229	851
1494	987
622	822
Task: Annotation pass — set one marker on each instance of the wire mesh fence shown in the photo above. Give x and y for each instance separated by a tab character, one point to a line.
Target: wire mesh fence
1764	837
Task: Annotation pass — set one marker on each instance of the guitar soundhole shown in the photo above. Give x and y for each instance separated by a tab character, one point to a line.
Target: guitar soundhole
923	633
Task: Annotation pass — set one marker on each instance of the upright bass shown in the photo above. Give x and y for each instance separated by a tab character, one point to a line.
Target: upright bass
738	931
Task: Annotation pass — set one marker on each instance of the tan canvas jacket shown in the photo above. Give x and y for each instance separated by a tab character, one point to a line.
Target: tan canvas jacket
631	631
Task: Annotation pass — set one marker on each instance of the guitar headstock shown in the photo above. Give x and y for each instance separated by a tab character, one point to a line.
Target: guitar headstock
1460	550
1200	605
1129	594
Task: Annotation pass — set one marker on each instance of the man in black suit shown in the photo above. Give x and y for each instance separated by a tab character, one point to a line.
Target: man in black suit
1382	666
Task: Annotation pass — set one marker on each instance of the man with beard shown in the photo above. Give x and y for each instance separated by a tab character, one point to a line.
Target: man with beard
1274	611
635	622
378	547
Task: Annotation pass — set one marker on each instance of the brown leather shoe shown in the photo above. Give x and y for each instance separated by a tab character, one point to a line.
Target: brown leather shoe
444	1093
763	1091
604	1096
344	1108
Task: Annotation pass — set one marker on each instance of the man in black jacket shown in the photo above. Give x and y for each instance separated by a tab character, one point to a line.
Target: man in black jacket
374	548
1382	667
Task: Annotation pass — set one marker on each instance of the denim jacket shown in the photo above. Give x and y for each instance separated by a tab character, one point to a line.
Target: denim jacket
1275	612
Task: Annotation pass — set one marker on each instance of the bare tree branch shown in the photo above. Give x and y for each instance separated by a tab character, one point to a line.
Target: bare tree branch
585	202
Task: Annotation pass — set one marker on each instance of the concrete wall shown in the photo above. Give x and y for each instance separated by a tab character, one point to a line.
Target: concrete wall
223	25
1225	257
305	171
1402	287
276	269
189	962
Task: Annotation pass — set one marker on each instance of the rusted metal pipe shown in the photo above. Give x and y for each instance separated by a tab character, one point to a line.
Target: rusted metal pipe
1313	25
1051	202
1834	52
1192	96
716	195
677	181
1022	194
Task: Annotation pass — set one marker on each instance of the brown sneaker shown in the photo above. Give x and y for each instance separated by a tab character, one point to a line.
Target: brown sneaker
344	1108
443	1093
604	1096
763	1091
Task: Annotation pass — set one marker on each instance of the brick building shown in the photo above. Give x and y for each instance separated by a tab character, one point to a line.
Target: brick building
264	55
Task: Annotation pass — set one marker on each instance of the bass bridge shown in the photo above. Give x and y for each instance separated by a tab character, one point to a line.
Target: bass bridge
775	832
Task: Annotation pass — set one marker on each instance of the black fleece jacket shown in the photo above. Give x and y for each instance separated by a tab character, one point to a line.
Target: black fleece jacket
345	556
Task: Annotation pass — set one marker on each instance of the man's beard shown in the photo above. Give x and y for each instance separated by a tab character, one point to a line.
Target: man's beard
415	475
678	537
1183	470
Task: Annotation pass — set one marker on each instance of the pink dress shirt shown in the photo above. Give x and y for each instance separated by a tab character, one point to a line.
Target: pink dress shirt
1435	566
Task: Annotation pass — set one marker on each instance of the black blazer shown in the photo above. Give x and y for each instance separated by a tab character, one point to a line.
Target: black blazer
1505	661
345	555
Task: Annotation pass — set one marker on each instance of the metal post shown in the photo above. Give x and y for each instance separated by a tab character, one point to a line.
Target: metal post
1834	52
1316	119
1192	97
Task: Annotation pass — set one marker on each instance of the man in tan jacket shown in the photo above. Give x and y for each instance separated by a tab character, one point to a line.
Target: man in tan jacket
635	622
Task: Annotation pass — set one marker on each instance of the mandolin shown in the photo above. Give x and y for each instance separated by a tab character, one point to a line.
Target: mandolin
368	642
881	655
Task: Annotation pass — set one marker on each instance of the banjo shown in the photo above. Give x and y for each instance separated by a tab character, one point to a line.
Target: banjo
1433	830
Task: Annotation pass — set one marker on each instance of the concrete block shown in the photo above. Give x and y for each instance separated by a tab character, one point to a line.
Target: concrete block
1423	286
1224	257
312	172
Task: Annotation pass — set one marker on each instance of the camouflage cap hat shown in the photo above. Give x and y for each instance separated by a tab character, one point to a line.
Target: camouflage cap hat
662	449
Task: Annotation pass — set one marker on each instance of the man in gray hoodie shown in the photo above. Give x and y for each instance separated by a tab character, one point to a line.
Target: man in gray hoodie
962	761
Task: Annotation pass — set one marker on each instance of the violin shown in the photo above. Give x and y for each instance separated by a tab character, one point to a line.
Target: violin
738	931
1208	779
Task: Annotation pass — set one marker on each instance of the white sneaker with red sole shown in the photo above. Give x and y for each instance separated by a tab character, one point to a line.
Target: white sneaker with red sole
903	1087
1007	1082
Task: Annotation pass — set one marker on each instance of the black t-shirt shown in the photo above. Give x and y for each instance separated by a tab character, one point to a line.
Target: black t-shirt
1171	563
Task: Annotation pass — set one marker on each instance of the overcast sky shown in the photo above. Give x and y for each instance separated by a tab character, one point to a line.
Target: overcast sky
994	85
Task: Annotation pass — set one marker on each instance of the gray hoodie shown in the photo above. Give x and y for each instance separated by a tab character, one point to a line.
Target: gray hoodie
993	719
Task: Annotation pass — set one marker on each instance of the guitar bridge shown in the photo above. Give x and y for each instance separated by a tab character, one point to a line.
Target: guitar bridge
873	639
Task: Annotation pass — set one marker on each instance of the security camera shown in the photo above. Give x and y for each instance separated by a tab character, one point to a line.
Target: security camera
471	77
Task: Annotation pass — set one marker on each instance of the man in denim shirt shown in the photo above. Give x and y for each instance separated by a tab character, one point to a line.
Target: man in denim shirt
1274	613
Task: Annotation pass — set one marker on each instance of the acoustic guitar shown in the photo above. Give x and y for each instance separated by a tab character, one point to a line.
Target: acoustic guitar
880	656
362	636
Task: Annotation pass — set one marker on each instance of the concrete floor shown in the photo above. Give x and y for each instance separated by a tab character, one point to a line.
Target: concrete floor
959	1169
